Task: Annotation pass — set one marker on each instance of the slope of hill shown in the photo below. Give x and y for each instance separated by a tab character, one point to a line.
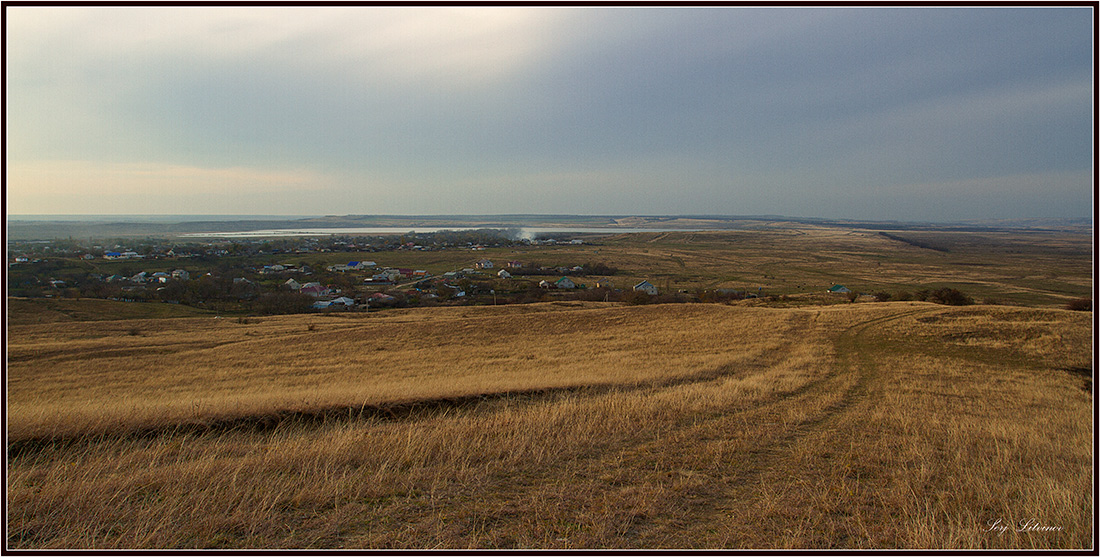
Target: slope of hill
560	425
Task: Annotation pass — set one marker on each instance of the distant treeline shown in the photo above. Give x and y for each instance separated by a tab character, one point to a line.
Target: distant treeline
917	243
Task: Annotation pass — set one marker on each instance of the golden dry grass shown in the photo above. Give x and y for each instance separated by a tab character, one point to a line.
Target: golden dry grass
898	425
1021	267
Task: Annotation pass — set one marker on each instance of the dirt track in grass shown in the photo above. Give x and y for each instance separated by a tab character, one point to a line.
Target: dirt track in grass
897	425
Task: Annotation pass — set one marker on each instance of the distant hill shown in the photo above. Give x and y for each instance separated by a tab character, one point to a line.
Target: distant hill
40	228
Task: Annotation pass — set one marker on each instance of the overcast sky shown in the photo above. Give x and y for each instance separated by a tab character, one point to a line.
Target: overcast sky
869	113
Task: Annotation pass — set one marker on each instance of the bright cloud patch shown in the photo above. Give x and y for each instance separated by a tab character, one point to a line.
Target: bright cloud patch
48	187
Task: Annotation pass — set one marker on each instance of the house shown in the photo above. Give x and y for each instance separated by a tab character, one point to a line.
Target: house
350	266
646	287
604	283
314	289
484	264
387	275
565	282
515	264
838	289
504	274
112	255
344	301
292	284
380	299
181	274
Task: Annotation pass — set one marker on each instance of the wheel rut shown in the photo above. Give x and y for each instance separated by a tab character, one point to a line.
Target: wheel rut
738	483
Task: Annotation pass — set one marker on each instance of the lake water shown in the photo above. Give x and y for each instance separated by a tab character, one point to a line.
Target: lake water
524	232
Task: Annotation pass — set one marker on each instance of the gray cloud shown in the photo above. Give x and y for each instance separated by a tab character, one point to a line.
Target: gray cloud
625	110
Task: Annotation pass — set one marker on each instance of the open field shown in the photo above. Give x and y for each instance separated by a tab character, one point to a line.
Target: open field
556	425
22	311
1029	268
1025	268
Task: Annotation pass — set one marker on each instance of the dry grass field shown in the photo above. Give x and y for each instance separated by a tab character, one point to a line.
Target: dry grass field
556	425
1020	268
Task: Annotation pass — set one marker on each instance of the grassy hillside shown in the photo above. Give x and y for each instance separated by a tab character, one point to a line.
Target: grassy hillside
24	311
560	425
1038	269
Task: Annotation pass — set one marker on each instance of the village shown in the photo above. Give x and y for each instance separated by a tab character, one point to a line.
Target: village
293	275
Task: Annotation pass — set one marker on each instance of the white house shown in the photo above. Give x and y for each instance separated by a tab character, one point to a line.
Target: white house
352	266
565	282
646	287
504	274
387	275
345	301
181	274
292	284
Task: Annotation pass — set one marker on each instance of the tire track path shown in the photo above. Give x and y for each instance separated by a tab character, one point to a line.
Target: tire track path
725	510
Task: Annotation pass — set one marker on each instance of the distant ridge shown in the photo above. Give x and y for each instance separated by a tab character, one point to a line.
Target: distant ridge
109	226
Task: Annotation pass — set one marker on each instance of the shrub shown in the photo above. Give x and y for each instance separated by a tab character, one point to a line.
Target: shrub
638	298
949	297
882	296
1080	304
